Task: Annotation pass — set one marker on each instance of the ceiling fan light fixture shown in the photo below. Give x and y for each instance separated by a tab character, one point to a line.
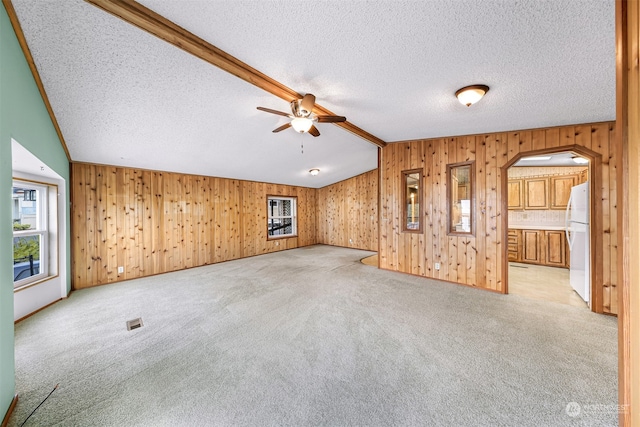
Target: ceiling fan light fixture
314	171
469	95
302	124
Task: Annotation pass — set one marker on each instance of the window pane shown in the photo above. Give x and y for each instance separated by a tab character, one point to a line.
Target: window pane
280	226
26	256
281	218
25	209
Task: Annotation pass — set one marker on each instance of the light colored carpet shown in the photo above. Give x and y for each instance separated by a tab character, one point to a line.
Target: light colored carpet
312	336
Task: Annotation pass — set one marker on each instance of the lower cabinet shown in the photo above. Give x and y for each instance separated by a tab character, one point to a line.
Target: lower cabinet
555	248
543	247
531	246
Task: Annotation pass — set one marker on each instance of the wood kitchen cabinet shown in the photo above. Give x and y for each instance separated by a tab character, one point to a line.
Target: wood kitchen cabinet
531	246
514	194
541	247
555	248
542	192
536	193
561	190
513	245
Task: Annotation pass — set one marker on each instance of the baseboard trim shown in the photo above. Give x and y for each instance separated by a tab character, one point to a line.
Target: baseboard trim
37	311
14	402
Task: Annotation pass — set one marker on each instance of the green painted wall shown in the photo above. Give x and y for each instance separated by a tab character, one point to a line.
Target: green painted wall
23	117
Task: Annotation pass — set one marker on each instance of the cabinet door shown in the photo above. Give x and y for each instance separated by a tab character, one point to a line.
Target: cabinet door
554	242
514	194
530	246
536	193
561	190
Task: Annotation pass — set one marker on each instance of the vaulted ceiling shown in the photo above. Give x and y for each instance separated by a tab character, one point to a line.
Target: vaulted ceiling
123	96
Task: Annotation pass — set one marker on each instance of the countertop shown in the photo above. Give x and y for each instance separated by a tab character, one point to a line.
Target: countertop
536	227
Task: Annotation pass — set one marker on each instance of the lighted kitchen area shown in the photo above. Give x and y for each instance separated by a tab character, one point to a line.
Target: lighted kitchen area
548	228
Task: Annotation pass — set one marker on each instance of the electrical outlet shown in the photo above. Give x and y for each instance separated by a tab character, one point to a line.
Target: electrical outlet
351	241
120	270
437	266
277	243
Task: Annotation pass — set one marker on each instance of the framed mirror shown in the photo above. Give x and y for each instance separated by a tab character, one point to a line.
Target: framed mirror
412	200
460	197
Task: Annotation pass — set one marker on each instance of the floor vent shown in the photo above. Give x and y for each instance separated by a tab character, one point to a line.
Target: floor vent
134	324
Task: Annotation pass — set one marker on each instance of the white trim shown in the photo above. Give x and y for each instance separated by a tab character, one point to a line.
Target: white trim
44	221
38	295
293	216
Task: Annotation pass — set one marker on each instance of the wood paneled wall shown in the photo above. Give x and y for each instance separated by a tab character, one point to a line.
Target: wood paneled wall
348	212
155	222
481	260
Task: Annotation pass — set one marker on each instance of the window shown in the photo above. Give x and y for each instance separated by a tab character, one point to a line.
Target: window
460	196
412	189
281	216
30	232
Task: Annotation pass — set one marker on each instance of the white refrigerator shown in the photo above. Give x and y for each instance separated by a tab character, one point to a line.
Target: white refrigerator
577	229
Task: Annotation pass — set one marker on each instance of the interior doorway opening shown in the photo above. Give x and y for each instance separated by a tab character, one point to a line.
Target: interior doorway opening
548	253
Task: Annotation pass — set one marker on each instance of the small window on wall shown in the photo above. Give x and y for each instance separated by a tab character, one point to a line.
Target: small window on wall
282	220
412	189
460	197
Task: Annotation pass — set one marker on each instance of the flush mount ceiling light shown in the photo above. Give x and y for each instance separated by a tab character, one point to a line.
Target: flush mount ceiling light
535	158
471	94
580	160
301	124
314	171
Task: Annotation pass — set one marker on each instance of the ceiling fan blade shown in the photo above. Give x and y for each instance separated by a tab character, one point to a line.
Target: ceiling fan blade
314	131
283	127
269	110
307	103
331	119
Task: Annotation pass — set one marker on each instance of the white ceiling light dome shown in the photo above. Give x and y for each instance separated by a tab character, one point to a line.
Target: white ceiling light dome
301	124
469	95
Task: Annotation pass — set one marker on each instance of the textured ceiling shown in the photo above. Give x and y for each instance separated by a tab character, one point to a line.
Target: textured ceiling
124	97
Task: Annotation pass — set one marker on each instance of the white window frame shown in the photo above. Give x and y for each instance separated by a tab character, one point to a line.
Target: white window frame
293	216
41	230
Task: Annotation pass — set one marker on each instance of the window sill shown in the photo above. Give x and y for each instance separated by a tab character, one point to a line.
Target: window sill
37	282
292	236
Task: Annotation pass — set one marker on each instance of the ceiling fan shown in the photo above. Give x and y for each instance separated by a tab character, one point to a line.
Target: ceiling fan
302	116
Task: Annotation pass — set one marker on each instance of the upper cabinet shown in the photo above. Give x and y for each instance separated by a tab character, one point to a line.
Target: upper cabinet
542	192
514	197
561	190
536	193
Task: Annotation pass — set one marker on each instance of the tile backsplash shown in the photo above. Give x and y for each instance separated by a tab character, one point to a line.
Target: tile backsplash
547	218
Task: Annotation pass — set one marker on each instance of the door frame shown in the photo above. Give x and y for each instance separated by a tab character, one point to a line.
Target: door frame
596	224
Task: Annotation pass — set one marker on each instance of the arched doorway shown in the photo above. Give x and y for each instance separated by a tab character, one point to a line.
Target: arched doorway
541	259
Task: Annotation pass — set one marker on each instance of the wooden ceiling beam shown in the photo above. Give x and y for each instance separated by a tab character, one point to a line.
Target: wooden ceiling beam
146	19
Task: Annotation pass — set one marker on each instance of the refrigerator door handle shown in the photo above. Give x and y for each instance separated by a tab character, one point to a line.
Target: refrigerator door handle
566	221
